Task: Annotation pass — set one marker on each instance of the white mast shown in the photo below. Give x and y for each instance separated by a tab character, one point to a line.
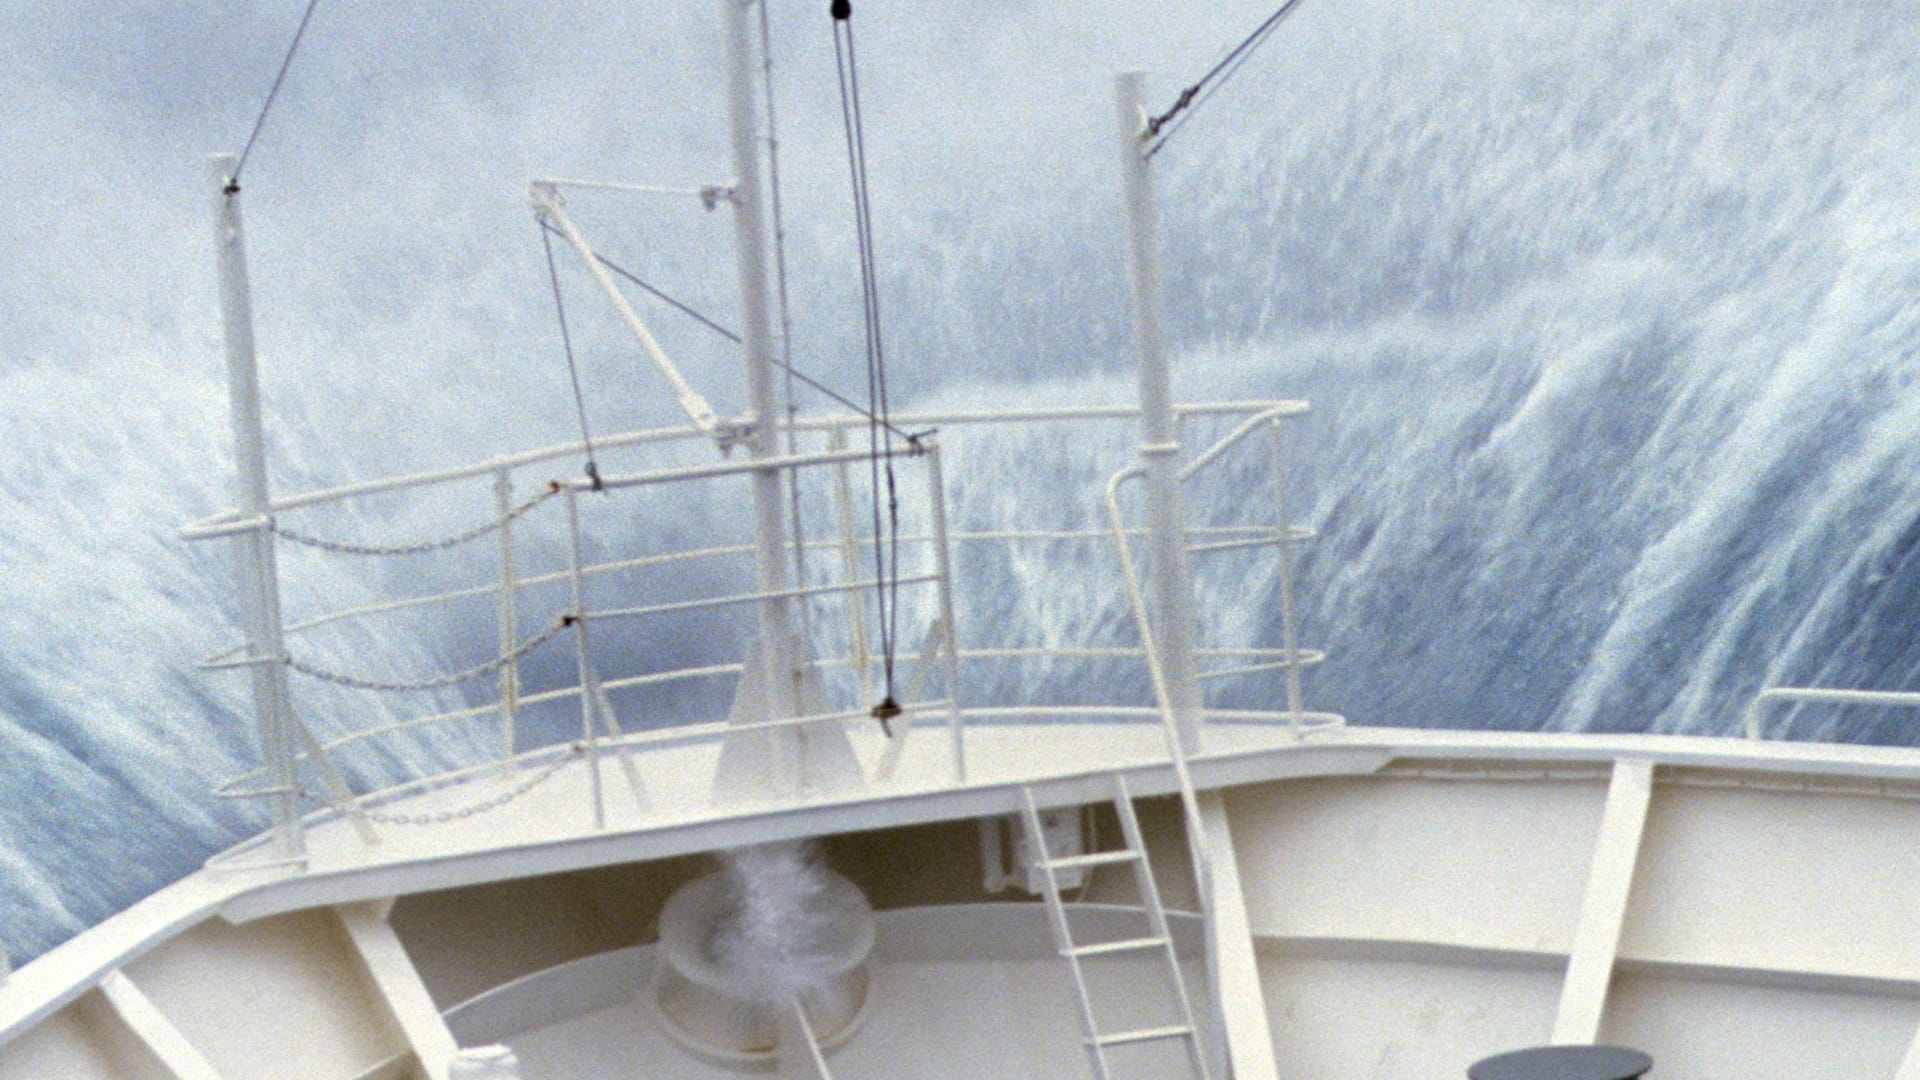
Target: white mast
795	758
259	574
1172	585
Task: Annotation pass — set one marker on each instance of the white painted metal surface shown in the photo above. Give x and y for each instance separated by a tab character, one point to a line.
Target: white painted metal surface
259	580
1239	1000
777	689
1596	941
486	1063
1172	592
152	1028
552	209
1412	902
1086	958
407	998
1756	710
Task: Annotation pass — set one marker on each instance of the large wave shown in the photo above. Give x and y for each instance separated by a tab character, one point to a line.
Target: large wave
1606	315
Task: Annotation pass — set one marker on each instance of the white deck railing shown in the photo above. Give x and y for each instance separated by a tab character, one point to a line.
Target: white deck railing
832	562
1756	709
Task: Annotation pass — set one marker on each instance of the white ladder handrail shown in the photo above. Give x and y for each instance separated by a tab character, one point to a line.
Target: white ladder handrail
1159	938
1189	799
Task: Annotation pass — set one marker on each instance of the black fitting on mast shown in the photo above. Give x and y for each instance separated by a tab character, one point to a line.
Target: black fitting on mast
885	712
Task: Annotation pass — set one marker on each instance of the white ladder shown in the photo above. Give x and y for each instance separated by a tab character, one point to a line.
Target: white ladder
1159	939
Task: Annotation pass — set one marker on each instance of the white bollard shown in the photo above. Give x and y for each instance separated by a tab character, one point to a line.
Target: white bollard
485	1063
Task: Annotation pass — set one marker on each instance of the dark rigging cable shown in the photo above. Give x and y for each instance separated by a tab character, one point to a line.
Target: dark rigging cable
1196	95
912	437
233	182
678	305
566	340
879	429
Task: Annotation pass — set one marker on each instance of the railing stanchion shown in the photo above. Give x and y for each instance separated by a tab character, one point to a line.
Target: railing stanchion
260	580
943	571
509	617
850	563
265	656
1171	593
589	734
1289	632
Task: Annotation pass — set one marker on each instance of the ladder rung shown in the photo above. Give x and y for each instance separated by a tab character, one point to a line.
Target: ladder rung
1145	1035
1105	947
1096	858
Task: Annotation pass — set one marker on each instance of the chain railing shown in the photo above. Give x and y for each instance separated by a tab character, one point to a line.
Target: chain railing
832	555
423	547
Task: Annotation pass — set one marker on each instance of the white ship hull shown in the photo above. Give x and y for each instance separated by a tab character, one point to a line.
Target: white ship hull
1401	904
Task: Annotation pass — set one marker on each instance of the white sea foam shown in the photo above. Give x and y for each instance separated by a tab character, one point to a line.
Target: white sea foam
781	930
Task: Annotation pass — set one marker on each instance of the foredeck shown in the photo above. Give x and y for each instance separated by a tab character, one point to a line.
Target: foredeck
1309	906
454	835
550	826
458	833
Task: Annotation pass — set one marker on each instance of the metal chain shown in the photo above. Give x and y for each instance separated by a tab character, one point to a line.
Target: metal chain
486	668
443	817
341	548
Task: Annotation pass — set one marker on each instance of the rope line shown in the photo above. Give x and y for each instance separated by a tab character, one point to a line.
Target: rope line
879	429
1196	95
911	437
339	547
233	182
440	682
677	304
566	341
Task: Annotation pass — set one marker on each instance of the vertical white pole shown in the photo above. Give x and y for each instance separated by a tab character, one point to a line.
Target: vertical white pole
508	615
589	731
943	569
1289	629
259	574
1171	601
850	565
778	655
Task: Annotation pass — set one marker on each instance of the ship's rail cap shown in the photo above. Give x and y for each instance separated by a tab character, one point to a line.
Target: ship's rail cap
939	419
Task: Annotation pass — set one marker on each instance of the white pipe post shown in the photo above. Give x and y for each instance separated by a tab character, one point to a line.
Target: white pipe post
850	565
589	731
259	573
509	617
777	654
1172	584
1289	627
943	573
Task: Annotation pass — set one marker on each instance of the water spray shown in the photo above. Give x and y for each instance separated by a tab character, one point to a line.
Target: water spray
764	960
